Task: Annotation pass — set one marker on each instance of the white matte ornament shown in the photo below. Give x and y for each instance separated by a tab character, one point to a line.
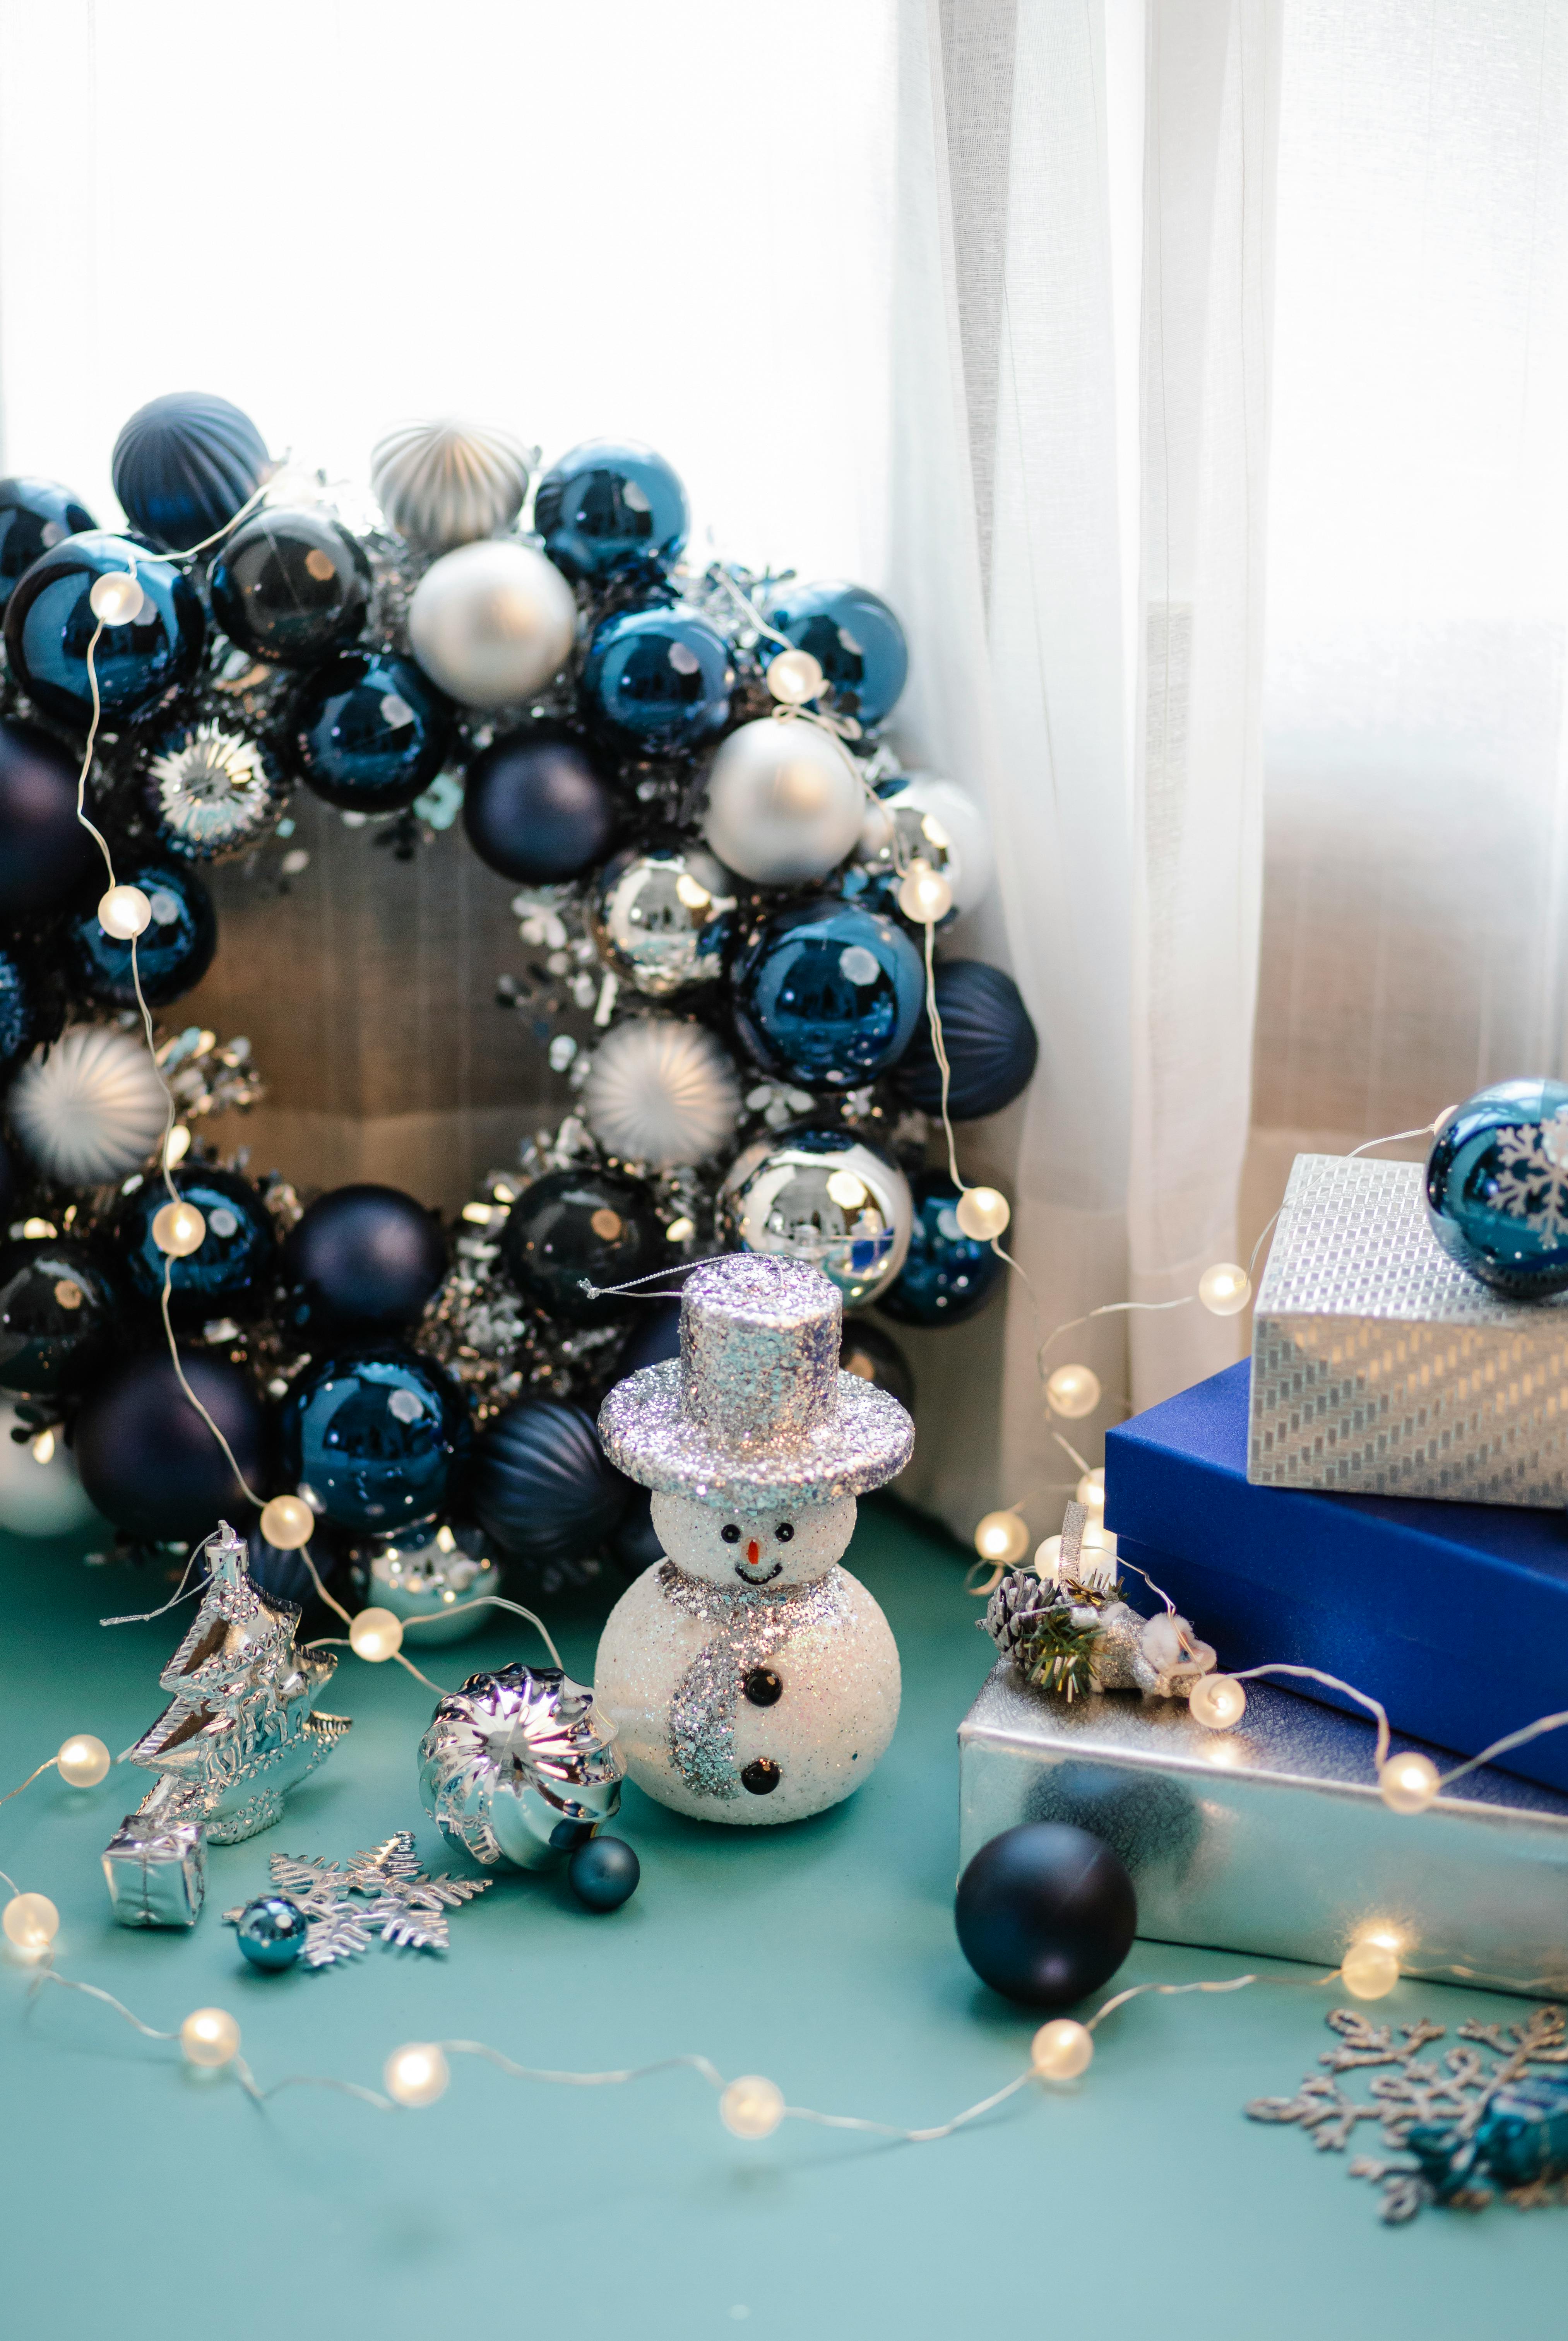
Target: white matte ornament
490	623
661	1092
446	484
784	802
40	1495
90	1107
937	822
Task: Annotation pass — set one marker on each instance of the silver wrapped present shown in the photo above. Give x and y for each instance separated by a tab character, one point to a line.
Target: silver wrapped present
156	1862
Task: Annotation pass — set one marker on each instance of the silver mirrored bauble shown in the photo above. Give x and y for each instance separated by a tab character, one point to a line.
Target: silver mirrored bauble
491	622
661	917
784	801
447	483
822	1196
520	1767
661	1092
213	792
90	1106
430	1569
937	822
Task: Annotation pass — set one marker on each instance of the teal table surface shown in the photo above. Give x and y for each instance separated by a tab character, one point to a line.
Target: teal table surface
143	2200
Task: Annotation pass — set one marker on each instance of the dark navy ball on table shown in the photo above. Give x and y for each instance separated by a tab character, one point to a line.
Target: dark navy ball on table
183	465
377	1435
535	810
1045	1913
60	1308
991	1042
50	623
45	854
361	1256
173	952
827	994
855	640
290	586
36	515
1497	1187
368	732
657	680
148	1461
604	1873
611	508
947	1275
229	1274
543	1487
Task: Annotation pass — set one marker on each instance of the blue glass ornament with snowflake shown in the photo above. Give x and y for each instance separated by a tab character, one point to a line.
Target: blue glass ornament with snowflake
1497	1187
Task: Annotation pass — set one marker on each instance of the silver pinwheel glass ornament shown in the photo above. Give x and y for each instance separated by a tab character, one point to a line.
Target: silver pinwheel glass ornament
212	791
823	1196
89	1107
661	1092
447	483
520	1767
662	918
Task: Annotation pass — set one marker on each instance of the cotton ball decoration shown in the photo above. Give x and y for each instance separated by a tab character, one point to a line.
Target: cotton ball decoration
934	822
40	1494
661	1092
442	484
784	802
90	1107
491	622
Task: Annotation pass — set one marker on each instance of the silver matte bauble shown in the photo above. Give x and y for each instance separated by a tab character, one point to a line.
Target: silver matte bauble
661	917
90	1106
520	1767
822	1196
934	822
784	802
661	1092
491	622
430	1570
447	483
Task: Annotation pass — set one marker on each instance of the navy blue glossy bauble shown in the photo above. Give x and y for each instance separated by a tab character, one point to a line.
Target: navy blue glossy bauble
947	1275
184	463
173	952
576	1224
44	852
541	1485
827	994
604	1873
535	808
992	1045
363	1257
59	1304
1045	1913
36	515
291	586
657	680
1497	1187
230	1272
271	1931
368	730
377	1435
150	1463
855	640
611	509
18	1011
49	624
876	1357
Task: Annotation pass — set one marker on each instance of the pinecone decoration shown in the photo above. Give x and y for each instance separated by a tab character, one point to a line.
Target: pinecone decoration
1014	1612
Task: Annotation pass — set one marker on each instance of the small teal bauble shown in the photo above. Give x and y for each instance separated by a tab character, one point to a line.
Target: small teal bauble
610	509
368	732
948	1276
827	994
604	1873
229	1274
855	640
183	465
376	1436
50	623
657	680
173	952
271	1931
1497	1187
36	515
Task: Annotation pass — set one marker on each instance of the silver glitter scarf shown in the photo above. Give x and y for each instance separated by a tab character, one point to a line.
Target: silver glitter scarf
752	1622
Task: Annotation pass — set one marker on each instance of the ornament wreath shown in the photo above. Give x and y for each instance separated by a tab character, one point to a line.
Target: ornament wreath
720	861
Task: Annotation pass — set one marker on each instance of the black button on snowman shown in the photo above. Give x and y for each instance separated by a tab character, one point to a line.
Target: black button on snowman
751	1678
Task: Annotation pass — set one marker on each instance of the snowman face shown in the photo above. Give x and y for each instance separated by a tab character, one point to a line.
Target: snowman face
788	1545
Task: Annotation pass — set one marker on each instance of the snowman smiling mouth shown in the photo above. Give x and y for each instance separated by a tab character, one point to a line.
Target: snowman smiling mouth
744	1567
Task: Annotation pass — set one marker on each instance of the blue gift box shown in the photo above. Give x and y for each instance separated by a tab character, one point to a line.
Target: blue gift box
1455	1616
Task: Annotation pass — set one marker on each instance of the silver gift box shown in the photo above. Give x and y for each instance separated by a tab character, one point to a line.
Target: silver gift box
1381	1366
156	1866
1271	1839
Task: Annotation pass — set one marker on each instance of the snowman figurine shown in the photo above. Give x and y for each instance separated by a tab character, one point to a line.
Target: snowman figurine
751	1679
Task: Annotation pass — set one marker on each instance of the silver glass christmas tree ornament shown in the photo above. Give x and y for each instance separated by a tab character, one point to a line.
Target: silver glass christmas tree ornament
401	1904
240	1730
520	1767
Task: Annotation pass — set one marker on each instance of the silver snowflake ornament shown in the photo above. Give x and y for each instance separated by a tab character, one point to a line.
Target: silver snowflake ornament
402	1905
214	791
1532	1181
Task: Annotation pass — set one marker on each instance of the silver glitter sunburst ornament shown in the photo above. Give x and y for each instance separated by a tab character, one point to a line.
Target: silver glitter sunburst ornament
447	483
662	1091
214	791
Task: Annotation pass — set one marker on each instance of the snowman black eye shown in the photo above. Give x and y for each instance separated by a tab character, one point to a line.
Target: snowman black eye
783	1532
731	1534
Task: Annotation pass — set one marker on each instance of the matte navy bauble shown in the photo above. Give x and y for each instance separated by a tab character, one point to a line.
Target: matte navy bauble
368	730
49	624
541	1485
184	463
291	586
18	1011
992	1045
573	1225
604	1873
173	952
271	1931
1045	1913
36	515
652	1338
58	1307
657	680
611	509
149	1462
229	1274
44	852
855	640
876	1357
635	1544
375	1435
827	994
535	808
363	1257
1497	1187
947	1275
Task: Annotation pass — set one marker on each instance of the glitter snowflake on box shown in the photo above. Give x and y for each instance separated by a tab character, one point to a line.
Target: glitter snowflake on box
401	1905
1532	1181
214	791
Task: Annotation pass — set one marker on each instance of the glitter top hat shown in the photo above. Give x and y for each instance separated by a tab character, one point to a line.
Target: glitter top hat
756	1411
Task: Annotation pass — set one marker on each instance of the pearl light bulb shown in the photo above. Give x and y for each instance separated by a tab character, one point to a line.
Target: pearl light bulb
1370	1968
752	2106
209	2037
1090	1491
794	677
82	1761
982	1214
179	1229
416	2073
1225	1289
1073	1391
31	1923
125	912
925	898
1408	1783
1002	1536
115	598
375	1634
1061	2049
287	1522
1217	1701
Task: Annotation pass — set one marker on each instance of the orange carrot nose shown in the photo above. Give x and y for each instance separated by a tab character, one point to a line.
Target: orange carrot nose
753	1552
